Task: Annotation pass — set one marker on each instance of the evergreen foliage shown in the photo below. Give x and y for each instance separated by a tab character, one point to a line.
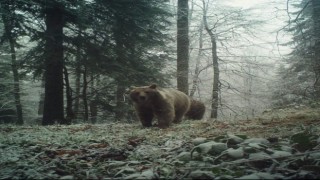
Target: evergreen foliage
300	75
111	42
7	111
7	106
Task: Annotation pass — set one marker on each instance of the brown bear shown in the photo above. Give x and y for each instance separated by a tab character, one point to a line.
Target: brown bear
196	110
168	105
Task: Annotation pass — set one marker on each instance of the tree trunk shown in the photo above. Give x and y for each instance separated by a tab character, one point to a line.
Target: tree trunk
93	102
53	102
195	79
78	72
93	111
248	82
84	95
120	107
41	101
77	91
215	85
316	19
215	63
182	46
69	110
120	52
8	21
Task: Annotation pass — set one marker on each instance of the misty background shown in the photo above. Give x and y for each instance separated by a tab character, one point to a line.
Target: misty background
258	49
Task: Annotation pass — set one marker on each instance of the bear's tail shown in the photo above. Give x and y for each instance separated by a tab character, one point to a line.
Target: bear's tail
196	110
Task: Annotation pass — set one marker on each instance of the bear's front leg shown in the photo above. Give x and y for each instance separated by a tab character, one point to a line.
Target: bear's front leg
146	117
165	118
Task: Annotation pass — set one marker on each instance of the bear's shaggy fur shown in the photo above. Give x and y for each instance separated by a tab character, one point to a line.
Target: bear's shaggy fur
196	110
168	105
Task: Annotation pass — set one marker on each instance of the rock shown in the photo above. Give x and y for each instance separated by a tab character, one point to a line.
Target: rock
67	177
258	156
235	153
147	151
198	174
257	146
184	156
278	154
257	140
218	148
258	175
199	140
233	140
148	174
286	148
172	144
315	155
211	147
261	160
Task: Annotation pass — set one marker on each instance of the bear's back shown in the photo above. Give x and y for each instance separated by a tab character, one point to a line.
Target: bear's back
176	97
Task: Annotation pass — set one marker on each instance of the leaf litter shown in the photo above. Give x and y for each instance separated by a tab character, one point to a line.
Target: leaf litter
281	144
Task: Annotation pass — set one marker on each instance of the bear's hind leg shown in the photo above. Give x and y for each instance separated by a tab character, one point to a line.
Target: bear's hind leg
179	114
178	118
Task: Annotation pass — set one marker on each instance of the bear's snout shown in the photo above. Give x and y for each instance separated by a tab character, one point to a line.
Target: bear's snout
142	98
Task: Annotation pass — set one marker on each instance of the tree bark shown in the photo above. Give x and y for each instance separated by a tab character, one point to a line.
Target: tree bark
248	82
53	110
41	101
93	111
120	110
316	19
183	46
215	63
8	21
120	107
93	101
195	78
77	90
69	110
78	70
84	95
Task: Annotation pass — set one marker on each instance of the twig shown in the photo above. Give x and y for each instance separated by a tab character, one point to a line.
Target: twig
37	155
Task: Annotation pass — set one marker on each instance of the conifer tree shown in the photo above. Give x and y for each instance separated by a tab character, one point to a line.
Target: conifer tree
300	78
84	35
11	21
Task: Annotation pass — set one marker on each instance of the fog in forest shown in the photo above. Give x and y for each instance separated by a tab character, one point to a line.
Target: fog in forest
264	53
159	89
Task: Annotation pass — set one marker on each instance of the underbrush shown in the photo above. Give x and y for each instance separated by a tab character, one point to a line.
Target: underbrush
281	144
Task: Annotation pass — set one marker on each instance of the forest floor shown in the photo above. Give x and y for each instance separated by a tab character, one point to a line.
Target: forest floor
280	144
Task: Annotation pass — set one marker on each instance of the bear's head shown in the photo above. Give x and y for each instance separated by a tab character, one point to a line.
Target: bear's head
144	95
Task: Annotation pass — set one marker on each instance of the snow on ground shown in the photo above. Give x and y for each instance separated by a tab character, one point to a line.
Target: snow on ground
281	144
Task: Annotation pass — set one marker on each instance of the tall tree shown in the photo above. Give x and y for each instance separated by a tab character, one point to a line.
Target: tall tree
136	33
316	31
84	94
69	110
195	78
120	35
79	35
9	21
53	101
7	107
300	79
215	64
183	46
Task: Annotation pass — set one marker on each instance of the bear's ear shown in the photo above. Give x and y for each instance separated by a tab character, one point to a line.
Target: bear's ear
153	86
